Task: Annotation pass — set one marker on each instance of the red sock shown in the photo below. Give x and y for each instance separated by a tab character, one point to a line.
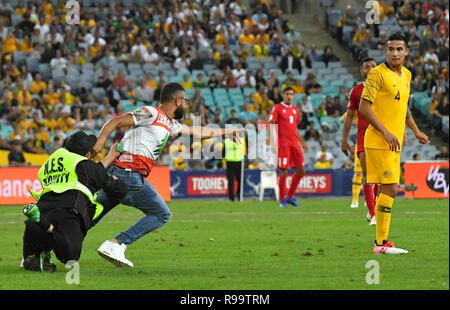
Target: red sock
375	191
282	185
370	201
294	184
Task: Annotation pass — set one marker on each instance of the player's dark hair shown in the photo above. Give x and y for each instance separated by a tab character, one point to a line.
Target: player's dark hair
362	62
288	88
398	36
170	91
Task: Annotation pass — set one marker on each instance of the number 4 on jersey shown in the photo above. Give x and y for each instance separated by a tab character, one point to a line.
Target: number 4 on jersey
397	97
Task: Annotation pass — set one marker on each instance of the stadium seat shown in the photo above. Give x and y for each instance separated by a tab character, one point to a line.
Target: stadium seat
127	105
316	99
6	130
32	64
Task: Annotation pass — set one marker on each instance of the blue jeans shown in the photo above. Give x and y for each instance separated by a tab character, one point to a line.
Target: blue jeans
141	195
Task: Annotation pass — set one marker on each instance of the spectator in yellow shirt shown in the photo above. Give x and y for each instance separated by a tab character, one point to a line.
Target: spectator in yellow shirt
49	120
65	122
65	97
247	37
51	96
221	37
26	46
38	86
249	22
260	48
23	97
360	35
150	82
186	82
298	87
9	44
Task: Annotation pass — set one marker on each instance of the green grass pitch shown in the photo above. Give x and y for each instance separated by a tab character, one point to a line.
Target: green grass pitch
220	245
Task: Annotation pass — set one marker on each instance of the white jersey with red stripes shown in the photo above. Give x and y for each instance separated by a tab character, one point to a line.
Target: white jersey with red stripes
142	144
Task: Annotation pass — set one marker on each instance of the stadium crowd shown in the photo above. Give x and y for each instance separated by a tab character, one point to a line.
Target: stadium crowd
233	58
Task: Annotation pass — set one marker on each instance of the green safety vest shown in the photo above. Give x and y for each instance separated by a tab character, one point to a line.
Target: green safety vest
58	174
233	151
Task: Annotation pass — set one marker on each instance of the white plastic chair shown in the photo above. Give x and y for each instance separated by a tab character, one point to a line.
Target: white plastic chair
268	181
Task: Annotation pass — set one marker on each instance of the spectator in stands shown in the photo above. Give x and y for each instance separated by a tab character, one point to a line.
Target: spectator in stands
289	62
440	111
431	60
259	78
332	107
104	81
15	156
233	118
443	154
187	82
416	156
428	42
428	83
247	115
326	131
247	81
144	93
291	36
328	55
238	72
312	132
260	47
199	82
59	62
226	61
213	81
276	48
298	87
324	159
197	63
228	80
313	55
314	87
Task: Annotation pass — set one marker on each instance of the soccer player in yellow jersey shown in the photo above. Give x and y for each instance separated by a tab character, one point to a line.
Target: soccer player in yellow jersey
384	104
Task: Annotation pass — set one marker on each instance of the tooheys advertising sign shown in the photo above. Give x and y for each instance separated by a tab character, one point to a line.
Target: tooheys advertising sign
430	177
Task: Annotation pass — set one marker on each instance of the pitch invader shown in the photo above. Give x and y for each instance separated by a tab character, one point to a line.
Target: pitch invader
290	154
367	65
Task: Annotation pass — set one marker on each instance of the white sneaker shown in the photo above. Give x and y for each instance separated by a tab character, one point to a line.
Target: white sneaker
373	221
354	204
368	217
388	248
21	263
115	253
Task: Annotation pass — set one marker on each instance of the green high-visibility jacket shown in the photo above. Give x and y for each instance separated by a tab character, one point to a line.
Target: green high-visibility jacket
234	151
58	174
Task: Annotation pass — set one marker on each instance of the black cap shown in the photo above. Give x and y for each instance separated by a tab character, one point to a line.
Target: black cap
80	143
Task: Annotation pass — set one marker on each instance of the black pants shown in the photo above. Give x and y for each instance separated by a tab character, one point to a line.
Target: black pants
66	239
233	171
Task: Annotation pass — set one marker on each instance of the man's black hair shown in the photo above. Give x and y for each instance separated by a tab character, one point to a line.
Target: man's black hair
366	59
287	88
169	91
398	36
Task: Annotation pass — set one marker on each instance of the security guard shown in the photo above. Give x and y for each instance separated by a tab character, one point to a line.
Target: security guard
234	155
66	205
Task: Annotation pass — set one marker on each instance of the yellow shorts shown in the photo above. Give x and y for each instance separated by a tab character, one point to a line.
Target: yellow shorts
383	166
357	167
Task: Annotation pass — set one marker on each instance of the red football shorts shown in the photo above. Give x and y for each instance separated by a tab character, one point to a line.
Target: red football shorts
290	156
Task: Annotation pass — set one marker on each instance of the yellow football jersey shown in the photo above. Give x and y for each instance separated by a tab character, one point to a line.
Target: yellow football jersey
389	94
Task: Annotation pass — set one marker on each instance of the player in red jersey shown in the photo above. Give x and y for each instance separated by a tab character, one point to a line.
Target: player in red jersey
290	154
367	64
